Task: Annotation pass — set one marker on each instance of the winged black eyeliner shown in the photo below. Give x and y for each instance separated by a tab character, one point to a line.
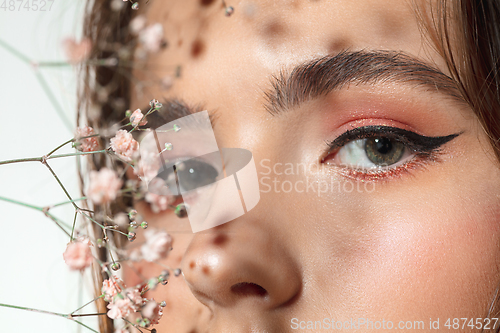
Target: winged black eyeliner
413	141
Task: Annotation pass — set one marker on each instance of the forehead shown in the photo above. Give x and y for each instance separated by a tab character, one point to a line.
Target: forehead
231	56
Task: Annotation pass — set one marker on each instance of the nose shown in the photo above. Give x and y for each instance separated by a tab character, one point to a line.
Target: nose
241	262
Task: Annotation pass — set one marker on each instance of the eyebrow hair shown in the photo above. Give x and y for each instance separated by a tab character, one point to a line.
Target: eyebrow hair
321	76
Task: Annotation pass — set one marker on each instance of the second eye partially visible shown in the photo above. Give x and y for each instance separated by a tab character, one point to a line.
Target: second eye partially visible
380	149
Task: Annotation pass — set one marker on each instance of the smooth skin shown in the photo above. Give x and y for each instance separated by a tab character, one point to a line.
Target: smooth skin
417	246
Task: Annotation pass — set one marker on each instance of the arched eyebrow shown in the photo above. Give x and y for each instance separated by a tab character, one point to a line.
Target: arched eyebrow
321	76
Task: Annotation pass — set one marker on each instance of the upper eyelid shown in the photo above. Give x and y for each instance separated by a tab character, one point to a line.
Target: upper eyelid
414	140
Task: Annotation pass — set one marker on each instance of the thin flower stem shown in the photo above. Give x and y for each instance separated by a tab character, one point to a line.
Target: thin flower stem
81	307
57	222
69	201
73	228
120	159
76	154
52	217
34	310
37	159
14	52
40	159
53	101
134	325
91	219
102	227
62	186
42	82
111	256
60	146
53	64
21	203
79	322
89	314
125	190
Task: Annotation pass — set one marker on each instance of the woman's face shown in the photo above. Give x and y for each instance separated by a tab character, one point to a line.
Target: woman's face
415	241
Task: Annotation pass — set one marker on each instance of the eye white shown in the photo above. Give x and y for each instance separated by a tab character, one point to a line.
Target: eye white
353	155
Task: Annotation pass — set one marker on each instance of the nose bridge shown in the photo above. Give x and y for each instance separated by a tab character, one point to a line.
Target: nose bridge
241	261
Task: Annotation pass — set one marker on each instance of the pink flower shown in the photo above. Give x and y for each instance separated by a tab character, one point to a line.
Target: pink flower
134	295
135	255
136	118
120	308
152	37
110	288
158	244
124	145
137	24
78	255
149	164
103	186
77	52
121	220
158	202
152	311
88	144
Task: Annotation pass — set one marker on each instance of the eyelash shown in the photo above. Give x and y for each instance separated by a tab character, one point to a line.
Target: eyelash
425	149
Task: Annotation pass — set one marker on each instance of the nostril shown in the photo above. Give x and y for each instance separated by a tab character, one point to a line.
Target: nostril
248	289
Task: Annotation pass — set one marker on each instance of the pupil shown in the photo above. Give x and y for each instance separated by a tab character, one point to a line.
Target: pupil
384	151
383	145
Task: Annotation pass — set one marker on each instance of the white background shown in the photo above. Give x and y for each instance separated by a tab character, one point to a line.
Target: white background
33	273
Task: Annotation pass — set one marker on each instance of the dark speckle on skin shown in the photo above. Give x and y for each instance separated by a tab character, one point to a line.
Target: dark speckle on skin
197	48
220	239
179	43
205	270
337	45
274	29
295	4
205	3
192	264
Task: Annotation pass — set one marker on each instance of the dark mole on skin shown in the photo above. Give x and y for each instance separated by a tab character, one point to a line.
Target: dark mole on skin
192	264
205	270
274	29
197	48
337	45
220	239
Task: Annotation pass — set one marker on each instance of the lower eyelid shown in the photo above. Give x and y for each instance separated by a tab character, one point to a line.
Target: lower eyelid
418	162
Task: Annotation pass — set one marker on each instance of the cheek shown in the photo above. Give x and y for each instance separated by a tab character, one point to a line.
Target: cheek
442	254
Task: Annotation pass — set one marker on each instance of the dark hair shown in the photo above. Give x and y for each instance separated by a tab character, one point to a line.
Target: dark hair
105	89
466	33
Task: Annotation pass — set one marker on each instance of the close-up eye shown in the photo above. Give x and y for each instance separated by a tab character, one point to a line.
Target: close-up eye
195	173
378	148
191	174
